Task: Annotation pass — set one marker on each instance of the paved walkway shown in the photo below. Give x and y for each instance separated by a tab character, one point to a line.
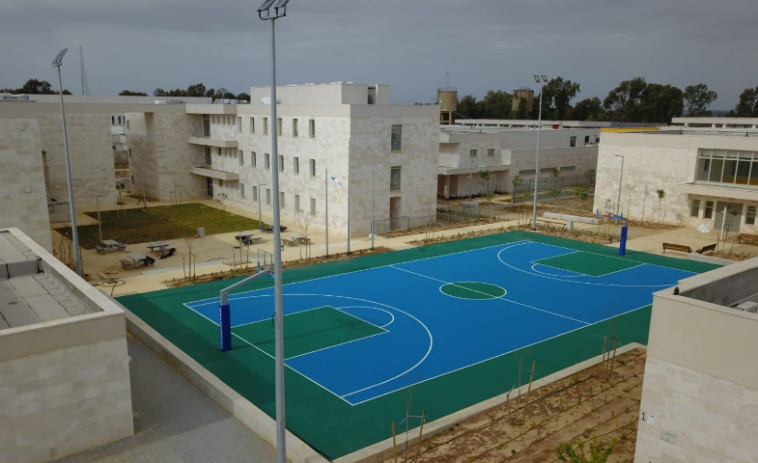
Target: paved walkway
176	423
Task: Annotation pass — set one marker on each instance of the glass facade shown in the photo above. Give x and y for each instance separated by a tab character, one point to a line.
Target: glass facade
727	167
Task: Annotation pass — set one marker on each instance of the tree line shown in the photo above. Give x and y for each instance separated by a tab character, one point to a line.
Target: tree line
43	87
634	100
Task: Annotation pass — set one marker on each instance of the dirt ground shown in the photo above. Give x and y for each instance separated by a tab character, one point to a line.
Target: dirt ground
529	428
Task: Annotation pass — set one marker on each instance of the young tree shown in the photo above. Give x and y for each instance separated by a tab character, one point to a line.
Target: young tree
661	194
697	98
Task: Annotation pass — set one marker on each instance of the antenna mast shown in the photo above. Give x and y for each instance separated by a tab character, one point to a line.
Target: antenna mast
85	89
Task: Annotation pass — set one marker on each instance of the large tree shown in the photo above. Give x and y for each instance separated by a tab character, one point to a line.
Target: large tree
697	98
748	105
588	109
637	100
131	93
196	90
467	107
496	105
556	99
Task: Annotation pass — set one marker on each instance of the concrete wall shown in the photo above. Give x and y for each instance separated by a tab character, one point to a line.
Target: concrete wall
700	392
22	181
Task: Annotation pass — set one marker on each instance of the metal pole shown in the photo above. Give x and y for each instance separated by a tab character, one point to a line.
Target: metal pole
71	208
348	210
99	224
260	208
281	446
537	165
621	179
372	208
470	171
326	208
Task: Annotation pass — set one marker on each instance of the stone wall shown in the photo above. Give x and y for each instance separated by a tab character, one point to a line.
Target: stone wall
22	181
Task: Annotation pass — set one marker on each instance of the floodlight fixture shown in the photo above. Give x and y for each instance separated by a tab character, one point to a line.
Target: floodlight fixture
279	9
59	59
544	78
537	78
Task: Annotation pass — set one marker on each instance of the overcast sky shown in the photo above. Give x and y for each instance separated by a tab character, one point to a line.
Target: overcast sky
410	44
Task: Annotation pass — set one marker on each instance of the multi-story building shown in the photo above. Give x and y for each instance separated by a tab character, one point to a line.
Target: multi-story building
345	134
490	158
701	172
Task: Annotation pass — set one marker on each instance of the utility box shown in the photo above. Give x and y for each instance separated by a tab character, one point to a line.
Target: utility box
201	231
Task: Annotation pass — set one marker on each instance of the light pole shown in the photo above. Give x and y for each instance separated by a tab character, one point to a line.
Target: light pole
271	10
470	172
372	208
326	206
621	179
260	209
99	224
541	81
57	62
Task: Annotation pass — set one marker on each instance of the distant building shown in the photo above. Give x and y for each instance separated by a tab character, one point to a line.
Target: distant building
64	368
447	99
706	169
484	157
700	392
525	95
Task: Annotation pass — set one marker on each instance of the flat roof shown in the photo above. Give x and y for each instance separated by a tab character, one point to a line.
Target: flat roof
28	294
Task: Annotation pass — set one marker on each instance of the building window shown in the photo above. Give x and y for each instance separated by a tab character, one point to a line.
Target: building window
472	153
127	124
206	126
267	160
730	167
239	125
490	152
573	141
567	169
312	128
253	159
313	167
296	165
252	125
281	163
395	179
279	126
586	139
255	193
313	206
265	126
242	190
750	217
281	200
220	182
396	138
268	196
695	208
294	128
208	156
708	213
297	203
241	158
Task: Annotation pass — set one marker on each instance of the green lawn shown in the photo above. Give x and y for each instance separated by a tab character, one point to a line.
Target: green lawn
160	223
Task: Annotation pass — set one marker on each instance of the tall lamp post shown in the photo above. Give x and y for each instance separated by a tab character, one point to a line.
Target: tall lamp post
57	62
271	10
260	208
99	223
621	179
541	81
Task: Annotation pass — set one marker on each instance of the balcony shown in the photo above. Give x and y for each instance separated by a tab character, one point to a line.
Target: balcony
218	174
214	142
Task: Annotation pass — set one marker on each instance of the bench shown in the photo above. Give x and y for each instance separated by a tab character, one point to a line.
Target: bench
708	248
100	249
552	223
676	247
745	238
126	264
121	247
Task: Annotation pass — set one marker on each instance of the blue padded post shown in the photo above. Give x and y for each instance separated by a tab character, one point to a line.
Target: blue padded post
622	244
225	324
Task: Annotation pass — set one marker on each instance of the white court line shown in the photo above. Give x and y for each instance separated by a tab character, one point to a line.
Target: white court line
618	285
502	298
534	264
273	358
413	367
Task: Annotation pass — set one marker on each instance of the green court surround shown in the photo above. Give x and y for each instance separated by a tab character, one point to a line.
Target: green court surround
592	264
332	426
